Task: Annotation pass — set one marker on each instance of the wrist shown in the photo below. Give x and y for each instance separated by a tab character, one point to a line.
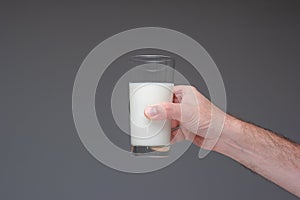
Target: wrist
232	130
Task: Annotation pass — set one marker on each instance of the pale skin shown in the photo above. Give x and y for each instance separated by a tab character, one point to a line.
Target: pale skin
264	152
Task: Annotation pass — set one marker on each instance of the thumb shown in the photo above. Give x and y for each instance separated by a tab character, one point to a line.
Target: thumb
163	111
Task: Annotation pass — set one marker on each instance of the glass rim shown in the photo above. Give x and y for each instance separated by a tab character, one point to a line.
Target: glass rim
152	58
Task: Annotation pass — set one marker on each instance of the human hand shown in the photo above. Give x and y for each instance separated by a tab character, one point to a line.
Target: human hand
191	112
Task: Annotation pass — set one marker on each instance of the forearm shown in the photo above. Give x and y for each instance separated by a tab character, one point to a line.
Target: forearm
262	151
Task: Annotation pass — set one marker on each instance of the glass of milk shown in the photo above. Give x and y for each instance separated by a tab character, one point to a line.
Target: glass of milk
151	83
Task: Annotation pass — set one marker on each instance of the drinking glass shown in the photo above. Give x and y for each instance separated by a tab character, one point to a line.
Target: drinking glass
151	82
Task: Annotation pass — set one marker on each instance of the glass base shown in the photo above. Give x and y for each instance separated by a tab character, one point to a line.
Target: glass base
151	151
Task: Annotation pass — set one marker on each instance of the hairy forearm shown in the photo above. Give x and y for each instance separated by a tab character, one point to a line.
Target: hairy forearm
262	151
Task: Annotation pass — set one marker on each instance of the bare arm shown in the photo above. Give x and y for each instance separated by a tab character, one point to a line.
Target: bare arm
262	151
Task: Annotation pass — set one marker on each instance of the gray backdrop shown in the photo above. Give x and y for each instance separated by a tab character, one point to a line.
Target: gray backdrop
255	44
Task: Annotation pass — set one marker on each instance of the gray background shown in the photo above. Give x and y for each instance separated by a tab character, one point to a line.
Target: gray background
255	44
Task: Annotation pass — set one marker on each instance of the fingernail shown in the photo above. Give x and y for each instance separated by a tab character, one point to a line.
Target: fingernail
152	111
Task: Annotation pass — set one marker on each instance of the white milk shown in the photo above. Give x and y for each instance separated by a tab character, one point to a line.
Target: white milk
145	132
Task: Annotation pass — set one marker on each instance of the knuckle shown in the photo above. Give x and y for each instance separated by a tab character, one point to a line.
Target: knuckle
194	89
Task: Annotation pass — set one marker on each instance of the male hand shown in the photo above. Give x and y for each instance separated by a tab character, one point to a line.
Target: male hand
191	112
